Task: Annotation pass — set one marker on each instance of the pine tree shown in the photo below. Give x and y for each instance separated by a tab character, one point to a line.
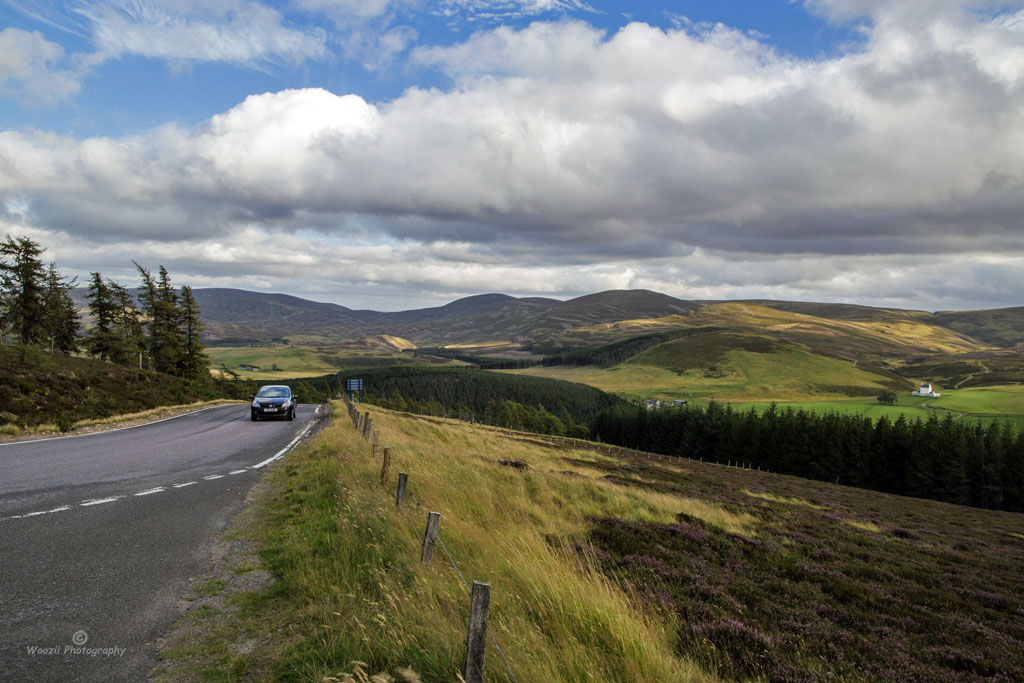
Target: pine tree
170	352
148	298
160	306
194	361
103	340
22	289
61	318
129	339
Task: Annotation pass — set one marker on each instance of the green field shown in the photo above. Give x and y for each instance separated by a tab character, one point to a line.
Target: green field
293	361
984	405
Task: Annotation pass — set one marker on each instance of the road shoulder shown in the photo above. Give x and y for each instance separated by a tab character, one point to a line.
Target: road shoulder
119	421
214	635
207	636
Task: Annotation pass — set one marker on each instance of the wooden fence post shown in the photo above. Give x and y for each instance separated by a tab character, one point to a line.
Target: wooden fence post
367	426
430	537
385	466
403	480
476	638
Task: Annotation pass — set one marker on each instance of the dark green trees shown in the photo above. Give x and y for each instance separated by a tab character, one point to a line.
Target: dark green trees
35	301
944	459
36	309
173	326
60	318
194	361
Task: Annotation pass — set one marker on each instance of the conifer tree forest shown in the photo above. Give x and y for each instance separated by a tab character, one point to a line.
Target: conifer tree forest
160	330
941	459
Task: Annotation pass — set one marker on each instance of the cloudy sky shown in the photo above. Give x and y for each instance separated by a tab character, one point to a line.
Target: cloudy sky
392	154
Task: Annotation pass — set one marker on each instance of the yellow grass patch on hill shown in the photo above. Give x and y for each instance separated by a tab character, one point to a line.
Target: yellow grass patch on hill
397	343
783	499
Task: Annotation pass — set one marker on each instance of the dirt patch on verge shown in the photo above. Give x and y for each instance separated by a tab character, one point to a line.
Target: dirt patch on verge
212	601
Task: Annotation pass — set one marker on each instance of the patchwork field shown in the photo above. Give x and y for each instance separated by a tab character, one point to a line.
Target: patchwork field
615	568
309	359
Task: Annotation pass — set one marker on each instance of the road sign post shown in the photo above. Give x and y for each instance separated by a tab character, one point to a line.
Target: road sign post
353	386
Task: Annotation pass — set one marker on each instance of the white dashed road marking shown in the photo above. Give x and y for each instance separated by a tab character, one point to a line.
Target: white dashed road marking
62	508
158	489
98	501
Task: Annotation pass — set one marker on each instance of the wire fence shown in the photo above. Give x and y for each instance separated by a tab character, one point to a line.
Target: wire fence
363	425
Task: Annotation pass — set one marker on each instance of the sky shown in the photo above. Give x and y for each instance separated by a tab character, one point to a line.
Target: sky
396	154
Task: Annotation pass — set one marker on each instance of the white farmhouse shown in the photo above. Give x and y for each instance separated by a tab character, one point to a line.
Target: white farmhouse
926	390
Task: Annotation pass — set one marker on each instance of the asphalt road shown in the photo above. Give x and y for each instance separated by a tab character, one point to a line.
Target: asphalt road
100	536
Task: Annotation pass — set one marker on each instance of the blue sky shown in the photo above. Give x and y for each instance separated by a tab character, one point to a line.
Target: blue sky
397	153
135	92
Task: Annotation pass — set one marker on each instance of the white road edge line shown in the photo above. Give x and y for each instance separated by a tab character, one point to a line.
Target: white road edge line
99	501
119	429
158	489
213	476
284	450
181	486
238	472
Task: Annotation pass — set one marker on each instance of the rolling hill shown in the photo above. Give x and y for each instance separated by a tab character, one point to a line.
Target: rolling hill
851	350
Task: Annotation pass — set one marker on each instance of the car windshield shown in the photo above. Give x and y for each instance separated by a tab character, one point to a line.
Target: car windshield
274	392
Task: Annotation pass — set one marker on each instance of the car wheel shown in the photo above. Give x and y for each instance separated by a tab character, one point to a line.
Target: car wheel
252	416
291	414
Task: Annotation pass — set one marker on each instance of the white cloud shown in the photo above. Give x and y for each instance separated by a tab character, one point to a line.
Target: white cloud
569	159
30	68
238	31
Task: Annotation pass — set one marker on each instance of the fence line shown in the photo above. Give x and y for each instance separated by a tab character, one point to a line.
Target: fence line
362	422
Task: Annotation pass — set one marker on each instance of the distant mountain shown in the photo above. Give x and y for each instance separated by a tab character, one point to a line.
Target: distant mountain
233	314
607	307
240	316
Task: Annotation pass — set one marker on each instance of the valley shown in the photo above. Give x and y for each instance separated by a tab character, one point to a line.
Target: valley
817	356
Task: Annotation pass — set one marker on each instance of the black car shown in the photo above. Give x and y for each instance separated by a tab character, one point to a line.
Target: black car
274	401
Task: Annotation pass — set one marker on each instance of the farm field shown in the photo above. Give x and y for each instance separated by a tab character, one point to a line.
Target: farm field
1005	403
293	361
313	359
617	568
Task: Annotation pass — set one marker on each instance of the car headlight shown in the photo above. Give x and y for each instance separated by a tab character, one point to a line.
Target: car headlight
255	404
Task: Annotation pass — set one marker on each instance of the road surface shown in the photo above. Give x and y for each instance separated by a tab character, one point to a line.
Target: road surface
101	534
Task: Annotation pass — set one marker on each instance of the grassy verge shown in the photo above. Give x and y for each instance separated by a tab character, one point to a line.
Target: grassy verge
351	587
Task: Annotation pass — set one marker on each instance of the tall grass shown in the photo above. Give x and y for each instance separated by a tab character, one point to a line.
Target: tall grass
349	560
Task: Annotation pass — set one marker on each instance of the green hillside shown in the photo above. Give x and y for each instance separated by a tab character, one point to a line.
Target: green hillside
40	388
730	365
1001	327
